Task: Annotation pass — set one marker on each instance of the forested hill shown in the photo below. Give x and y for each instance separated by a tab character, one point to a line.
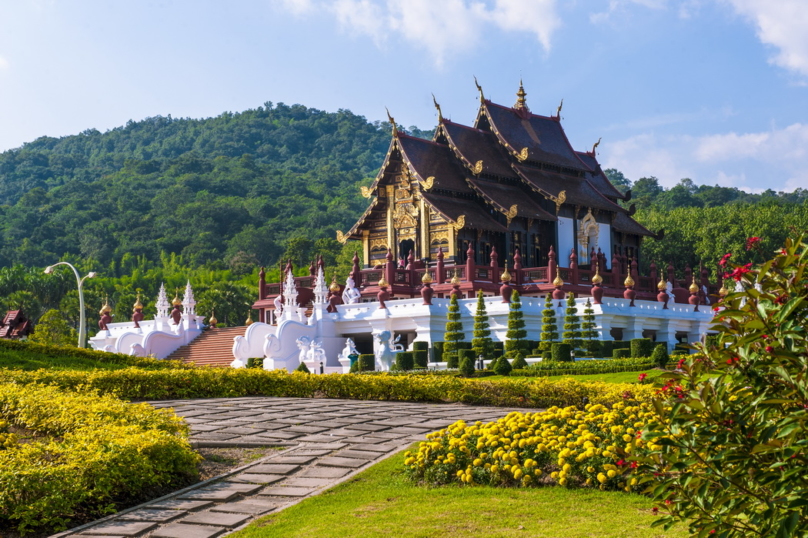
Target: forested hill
236	186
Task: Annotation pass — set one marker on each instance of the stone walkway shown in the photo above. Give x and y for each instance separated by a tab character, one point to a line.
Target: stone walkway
329	441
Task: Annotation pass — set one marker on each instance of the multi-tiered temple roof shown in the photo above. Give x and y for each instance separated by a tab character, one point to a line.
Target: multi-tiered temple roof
510	182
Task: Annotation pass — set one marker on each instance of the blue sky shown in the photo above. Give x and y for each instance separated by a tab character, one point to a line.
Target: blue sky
713	90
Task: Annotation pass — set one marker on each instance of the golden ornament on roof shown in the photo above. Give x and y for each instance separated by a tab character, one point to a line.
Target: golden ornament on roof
662	285
427	278
506	276
249	319
213	320
138	305
382	282
629	282
723	292
597	279
455	279
694	288
105	309
176	301
334	285
521	102
558	281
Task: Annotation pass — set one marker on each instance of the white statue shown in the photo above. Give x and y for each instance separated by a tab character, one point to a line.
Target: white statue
706	295
278	302
349	349
350	295
303	344
384	351
316	356
136	350
668	287
396	347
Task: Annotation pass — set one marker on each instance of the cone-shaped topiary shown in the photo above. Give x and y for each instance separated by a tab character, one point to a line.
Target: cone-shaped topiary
503	367
549	328
572	324
519	362
493	364
454	328
660	355
303	368
588	333
516	325
482	343
466	362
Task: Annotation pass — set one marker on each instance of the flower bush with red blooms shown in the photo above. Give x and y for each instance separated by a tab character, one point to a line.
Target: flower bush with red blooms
729	446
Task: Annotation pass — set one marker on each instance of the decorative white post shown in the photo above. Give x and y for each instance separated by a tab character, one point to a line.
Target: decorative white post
289	296
162	302
320	288
188	302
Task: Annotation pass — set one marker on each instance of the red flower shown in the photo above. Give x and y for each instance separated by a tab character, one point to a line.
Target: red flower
752	242
781	299
655	510
739	271
642	377
633	464
769	349
668	502
620	463
724	259
733	360
680	364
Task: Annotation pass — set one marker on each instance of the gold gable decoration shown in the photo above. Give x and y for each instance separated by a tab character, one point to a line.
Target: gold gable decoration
366	192
428	183
341	237
459	223
478	168
558	200
522	155
510	214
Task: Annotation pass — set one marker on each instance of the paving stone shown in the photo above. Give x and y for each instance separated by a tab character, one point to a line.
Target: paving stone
412	429
214	436
378	448
299	460
274	468
320	438
367	427
255	478
222	492
306	429
280	491
222	519
305	482
335	461
120	528
324	472
156	515
181	504
280	434
358	454
365	440
330	446
241	430
311	452
181	530
253	506
386	435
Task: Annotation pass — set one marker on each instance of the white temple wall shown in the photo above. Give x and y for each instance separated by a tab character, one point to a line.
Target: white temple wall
566	241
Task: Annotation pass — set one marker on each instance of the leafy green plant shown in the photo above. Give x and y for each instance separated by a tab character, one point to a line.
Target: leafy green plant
660	355
549	326
562	352
589	333
405	360
466	362
730	437
303	368
481	343
572	325
516	325
454	328
642	347
519	362
503	366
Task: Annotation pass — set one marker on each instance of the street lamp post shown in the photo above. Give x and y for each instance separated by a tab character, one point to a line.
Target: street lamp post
80	282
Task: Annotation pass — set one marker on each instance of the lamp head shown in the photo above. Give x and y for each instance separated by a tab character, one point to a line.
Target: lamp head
92	274
49	270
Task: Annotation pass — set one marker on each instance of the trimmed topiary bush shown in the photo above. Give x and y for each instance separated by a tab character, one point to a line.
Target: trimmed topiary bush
562	352
482	343
621	344
572	324
660	355
642	347
303	368
421	358
451	358
547	355
466	362
606	349
621	353
519	362
503	367
405	361
454	328
366	362
549	326
437	351
420	346
516	325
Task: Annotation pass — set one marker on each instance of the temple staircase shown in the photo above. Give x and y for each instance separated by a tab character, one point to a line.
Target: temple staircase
213	347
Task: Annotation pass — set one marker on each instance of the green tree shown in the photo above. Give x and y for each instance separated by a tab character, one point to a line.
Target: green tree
481	343
231	302
454	328
589	334
549	326
572	324
516	325
53	329
617	179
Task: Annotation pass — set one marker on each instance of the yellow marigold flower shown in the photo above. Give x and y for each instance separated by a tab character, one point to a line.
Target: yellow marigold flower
477	462
409	461
602	478
517	474
566	468
612	474
537	472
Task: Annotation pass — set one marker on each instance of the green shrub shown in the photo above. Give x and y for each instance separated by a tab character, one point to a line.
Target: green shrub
549	326
572	324
421	358
466	362
303	368
437	352
52	329
547	355
562	352
660	355
621	353
499	348
503	367
255	362
420	346
493	364
606	349
366	362
597	366
481	342
452	361
30	355
405	360
519	362
621	344
729	447
454	328
108	452
642	347
516	325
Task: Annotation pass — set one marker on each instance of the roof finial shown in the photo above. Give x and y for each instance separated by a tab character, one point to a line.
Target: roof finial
521	103
595	146
440	114
392	121
558	110
479	89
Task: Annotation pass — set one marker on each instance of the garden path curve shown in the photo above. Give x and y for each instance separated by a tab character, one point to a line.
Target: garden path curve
329	441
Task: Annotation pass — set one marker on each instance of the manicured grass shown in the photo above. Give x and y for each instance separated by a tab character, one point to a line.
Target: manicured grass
28	356
619	377
11	358
381	502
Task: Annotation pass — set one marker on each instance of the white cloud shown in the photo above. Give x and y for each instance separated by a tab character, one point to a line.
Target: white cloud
3	63
621	5
776	159
442	27
781	24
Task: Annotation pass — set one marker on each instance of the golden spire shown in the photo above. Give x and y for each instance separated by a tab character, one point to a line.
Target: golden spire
176	301
479	89
558	110
440	114
662	285
382	282
427	278
506	276
629	282
334	285
723	292
595	145
105	309
520	97
249	319
694	288
392	121
455	279
597	279
138	305
558	281
213	320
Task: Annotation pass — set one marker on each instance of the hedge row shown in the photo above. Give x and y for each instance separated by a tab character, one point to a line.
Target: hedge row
60	352
595	366
139	384
91	451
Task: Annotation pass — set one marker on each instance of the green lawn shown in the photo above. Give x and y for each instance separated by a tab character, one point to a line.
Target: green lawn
381	502
17	360
619	377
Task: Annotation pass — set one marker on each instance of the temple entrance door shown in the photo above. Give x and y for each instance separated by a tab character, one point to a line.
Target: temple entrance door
404	248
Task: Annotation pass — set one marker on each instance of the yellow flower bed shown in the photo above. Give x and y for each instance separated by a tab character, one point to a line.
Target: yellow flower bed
81	453
566	446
